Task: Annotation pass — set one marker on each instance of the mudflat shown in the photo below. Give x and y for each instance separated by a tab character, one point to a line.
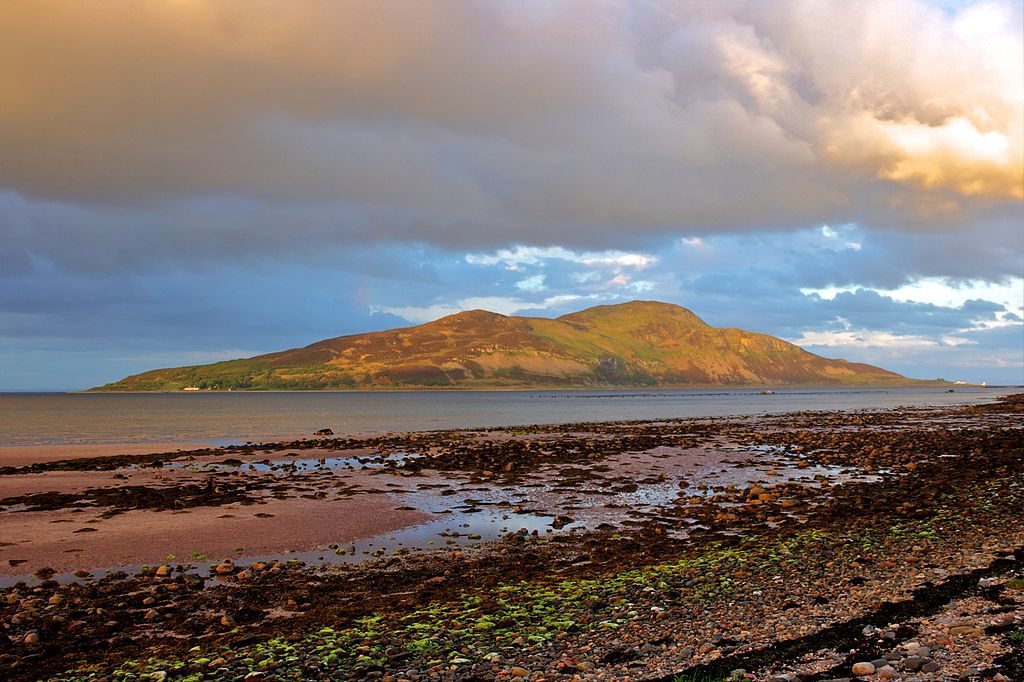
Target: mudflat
794	546
24	455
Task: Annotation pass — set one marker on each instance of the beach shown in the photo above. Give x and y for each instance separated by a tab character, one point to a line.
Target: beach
794	544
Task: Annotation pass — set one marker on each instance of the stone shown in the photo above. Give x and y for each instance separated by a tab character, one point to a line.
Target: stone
914	662
965	630
516	671
31	639
163	571
863	669
886	672
561	521
930	667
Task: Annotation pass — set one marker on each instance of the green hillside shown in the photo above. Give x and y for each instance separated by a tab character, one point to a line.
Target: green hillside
641	343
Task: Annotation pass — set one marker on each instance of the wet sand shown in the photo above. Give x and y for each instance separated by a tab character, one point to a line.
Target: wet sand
252	502
55	539
24	455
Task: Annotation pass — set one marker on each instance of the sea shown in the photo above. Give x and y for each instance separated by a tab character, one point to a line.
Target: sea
239	417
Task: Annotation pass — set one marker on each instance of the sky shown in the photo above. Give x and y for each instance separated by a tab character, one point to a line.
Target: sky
185	181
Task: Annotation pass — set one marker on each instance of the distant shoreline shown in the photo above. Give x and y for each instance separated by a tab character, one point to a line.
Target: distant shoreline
912	383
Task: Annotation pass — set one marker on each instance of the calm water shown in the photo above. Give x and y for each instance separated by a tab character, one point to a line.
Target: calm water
223	418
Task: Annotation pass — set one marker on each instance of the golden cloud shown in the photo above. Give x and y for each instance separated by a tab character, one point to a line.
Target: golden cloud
568	113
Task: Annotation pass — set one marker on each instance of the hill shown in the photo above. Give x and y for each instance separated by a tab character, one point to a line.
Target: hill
641	343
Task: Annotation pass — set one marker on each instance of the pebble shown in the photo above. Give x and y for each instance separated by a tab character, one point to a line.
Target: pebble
971	630
863	669
886	672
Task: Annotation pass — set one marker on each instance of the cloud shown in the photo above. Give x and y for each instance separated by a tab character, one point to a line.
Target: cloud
534	283
504	305
235	128
943	292
514	258
189	177
849	338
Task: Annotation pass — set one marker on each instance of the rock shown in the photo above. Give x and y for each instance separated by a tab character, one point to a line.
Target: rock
55	600
243	575
516	671
163	571
914	662
158	675
224	568
863	669
965	630
324	432
930	667
227	621
31	639
886	672
561	521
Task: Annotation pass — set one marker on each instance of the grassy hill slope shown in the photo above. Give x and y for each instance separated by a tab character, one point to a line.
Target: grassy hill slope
641	343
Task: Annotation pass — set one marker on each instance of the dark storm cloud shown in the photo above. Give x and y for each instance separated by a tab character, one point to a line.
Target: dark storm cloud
185	130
